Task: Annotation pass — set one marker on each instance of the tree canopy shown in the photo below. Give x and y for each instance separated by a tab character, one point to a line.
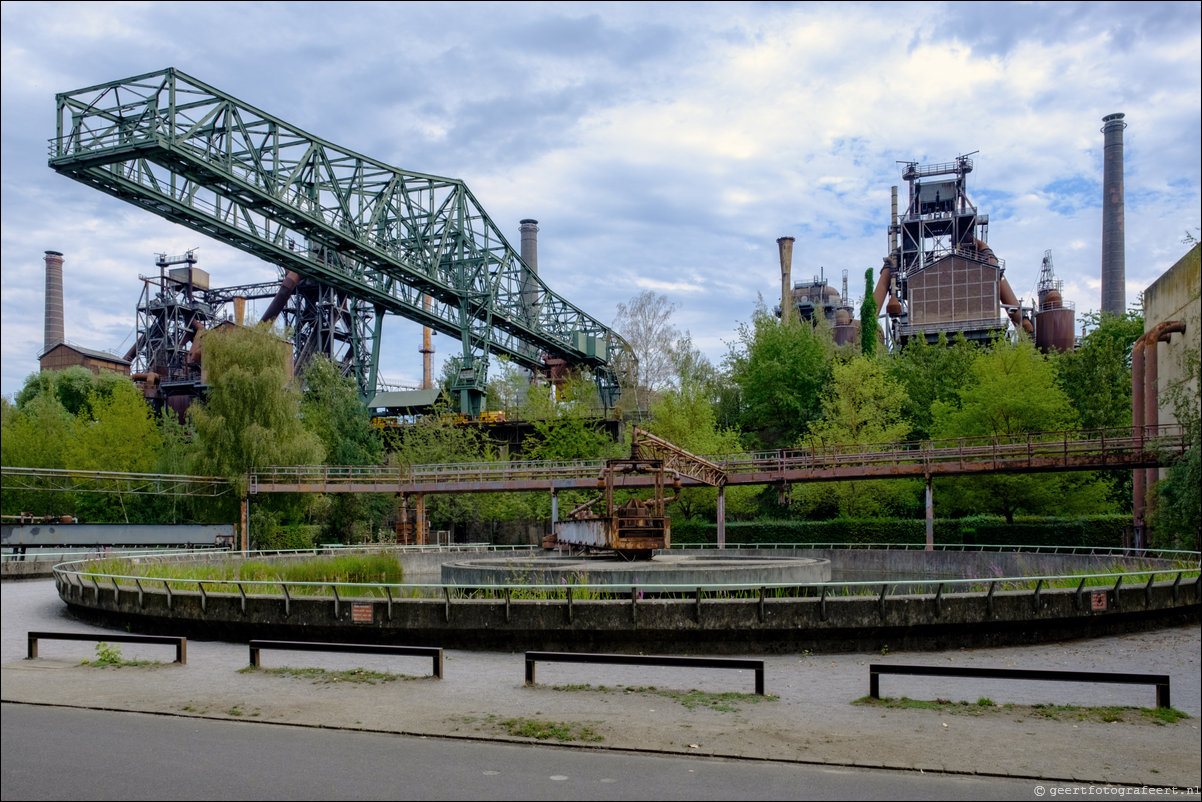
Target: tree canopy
780	370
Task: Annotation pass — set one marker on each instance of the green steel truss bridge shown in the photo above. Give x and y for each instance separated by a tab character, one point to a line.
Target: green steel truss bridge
410	244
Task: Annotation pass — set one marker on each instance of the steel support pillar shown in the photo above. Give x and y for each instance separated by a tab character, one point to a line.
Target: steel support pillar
421	535
244	519
722	517
930	515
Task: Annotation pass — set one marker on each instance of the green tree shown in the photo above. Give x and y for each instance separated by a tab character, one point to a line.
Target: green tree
861	406
1096	376
251	416
780	370
114	431
1013	392
34	434
330	408
684	415
868	324
565	427
930	373
79	420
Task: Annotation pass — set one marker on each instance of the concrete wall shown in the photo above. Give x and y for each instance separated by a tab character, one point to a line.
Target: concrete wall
714	625
1176	295
61	535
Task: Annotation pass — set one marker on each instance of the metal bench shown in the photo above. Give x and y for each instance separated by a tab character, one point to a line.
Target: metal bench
180	643
647	660
1161	681
434	652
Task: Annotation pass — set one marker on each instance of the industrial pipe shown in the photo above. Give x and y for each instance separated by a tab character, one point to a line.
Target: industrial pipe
889	264
1138	490
133	349
1005	293
785	246
150	381
197	327
1145	412
287	287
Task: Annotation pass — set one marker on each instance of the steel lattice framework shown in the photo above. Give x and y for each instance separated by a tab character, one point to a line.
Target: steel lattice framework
177	147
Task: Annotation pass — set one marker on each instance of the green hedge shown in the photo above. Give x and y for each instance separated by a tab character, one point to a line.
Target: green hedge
1095	531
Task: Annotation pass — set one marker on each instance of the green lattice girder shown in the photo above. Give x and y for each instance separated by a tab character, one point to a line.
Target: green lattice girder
170	144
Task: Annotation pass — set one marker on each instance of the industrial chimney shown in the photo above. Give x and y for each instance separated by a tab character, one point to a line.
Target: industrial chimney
529	229
786	277
55	332
1114	280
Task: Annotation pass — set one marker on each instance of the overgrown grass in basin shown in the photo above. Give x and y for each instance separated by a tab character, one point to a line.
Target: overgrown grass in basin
220	576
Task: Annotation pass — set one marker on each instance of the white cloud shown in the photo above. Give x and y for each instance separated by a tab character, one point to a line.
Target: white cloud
658	148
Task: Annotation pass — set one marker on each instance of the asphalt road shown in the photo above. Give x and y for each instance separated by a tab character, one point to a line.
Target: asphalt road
57	753
207	730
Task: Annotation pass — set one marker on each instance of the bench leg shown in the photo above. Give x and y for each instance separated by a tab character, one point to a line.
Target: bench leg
33	648
1162	695
874	684
529	671
438	665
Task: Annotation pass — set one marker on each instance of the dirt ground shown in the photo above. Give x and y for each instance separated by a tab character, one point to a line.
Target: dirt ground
812	712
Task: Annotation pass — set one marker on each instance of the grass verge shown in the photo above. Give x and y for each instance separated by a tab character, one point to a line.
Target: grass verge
546	730
319	676
692	699
1104	714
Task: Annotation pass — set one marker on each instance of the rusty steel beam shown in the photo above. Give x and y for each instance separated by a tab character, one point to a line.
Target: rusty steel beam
644	445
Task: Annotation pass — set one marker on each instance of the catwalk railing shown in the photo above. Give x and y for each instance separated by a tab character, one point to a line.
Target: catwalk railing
1075	450
1027	453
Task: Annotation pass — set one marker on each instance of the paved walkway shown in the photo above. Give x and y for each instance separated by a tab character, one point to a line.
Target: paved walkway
809	714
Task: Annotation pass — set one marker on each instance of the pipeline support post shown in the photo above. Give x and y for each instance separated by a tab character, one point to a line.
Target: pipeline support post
930	515
421	536
722	516
244	523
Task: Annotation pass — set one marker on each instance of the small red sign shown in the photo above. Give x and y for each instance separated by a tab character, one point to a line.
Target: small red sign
1097	601
361	613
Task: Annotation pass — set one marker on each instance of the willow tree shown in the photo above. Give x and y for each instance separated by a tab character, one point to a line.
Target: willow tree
251	416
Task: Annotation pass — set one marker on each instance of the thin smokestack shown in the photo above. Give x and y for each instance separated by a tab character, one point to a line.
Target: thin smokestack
786	278
1114	263
55	330
529	229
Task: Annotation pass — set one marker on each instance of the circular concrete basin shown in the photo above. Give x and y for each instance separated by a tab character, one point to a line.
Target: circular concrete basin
663	569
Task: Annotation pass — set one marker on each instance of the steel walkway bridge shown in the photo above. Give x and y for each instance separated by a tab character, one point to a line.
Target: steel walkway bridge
1102	449
1031	453
415	245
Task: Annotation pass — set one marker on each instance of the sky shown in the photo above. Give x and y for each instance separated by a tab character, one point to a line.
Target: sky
660	146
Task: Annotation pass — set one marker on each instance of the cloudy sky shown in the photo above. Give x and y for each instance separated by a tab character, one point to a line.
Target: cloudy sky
661	146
